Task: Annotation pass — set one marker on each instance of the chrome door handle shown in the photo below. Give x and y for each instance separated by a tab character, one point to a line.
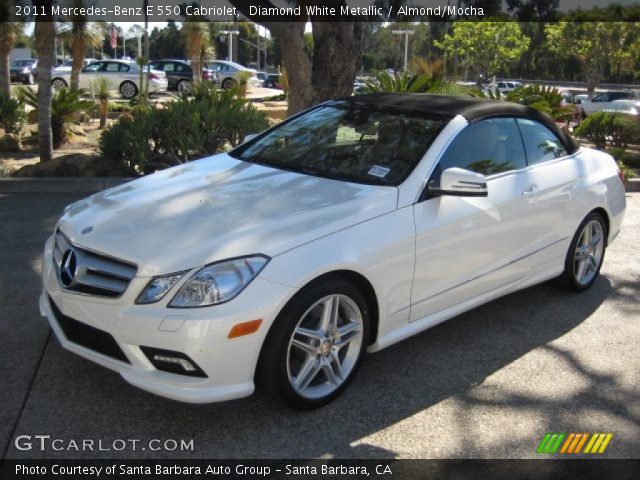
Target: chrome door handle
531	191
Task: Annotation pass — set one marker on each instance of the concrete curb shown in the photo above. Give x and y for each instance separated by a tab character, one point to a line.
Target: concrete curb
59	185
633	185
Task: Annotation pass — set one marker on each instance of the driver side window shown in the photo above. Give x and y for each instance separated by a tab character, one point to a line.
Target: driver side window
488	147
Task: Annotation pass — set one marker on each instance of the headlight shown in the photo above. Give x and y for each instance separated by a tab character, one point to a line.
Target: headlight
219	282
25	70
158	288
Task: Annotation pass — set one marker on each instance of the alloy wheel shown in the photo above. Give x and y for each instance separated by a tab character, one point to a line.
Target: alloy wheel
588	253
58	83
324	347
128	90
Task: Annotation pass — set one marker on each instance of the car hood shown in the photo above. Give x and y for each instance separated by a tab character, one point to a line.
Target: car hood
217	208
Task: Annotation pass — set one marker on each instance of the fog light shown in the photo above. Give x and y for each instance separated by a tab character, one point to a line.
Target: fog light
185	364
173	362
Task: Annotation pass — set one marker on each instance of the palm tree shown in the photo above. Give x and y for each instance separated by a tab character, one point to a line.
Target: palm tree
80	34
9	31
45	40
197	38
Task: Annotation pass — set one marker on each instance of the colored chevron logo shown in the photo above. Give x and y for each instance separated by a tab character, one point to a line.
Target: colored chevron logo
572	443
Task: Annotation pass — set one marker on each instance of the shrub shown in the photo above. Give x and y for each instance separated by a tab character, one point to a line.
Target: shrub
601	127
13	116
546	99
151	137
65	103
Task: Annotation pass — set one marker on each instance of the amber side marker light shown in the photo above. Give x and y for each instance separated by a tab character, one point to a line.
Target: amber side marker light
245	328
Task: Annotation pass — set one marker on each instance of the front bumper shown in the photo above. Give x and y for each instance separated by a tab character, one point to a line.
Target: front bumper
199	333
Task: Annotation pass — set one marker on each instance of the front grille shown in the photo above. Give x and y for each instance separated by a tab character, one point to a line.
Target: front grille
88	336
93	273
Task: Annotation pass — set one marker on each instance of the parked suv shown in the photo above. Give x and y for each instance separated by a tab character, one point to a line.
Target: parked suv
180	74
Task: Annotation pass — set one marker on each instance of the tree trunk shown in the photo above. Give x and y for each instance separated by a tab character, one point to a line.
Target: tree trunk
45	36
327	73
6	44
196	52
77	53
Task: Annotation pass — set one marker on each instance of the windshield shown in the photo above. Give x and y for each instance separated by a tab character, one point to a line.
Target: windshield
347	142
22	63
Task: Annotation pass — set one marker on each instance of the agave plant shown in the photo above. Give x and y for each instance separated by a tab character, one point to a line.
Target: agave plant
102	92
543	98
384	82
64	104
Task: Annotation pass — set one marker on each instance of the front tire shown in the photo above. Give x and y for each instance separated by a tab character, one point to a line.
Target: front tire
316	344
128	90
58	83
586	254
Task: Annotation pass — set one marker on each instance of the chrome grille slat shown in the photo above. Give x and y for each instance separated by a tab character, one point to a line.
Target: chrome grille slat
96	274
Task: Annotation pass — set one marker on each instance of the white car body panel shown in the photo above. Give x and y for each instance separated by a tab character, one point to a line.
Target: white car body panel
158	84
426	261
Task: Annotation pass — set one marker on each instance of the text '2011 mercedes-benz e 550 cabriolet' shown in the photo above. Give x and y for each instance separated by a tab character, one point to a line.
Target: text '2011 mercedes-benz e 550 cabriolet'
348	227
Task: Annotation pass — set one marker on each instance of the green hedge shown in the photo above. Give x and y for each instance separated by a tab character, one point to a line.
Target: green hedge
190	128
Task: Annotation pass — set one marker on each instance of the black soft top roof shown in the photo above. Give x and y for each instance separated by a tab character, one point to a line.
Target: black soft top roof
471	108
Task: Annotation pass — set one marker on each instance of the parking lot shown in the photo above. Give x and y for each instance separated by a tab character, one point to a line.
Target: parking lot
489	383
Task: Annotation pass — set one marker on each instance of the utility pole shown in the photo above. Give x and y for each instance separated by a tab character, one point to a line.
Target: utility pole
406	34
231	33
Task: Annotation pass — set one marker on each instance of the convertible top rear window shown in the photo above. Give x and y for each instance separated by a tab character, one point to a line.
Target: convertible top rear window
347	142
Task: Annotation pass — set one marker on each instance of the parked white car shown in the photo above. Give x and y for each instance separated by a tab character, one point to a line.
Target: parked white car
229	74
123	76
607	101
350	227
504	87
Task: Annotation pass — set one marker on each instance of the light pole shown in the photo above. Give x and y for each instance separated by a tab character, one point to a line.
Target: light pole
406	34
231	33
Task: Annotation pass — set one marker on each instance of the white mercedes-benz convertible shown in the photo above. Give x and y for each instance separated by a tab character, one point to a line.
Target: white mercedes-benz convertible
349	227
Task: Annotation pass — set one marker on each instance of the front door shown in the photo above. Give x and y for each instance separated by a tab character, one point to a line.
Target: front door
468	246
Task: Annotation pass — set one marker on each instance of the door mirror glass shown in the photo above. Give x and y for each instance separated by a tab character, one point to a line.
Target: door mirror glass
461	183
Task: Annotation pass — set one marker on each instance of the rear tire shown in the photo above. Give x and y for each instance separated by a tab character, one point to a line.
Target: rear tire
586	254
128	90
310	354
58	83
229	83
184	87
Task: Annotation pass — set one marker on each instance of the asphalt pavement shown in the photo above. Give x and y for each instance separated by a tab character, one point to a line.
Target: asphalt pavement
489	383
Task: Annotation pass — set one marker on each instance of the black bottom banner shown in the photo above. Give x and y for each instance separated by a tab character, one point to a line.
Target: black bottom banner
320	469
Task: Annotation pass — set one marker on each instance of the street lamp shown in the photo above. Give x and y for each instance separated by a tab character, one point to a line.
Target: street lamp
406	34
231	33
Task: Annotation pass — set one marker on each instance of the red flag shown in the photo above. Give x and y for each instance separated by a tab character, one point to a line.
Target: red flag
114	37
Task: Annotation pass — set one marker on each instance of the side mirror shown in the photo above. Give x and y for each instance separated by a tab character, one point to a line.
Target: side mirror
461	183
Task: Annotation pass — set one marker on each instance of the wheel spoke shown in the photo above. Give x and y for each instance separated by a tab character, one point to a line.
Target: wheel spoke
337	364
331	375
329	318
307	373
582	266
595	239
305	347
347	333
312	334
